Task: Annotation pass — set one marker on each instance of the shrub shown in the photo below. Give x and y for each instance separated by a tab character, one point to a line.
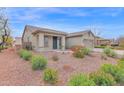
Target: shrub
121	64
21	52
122	58
55	57
78	54
81	80
82	52
103	56
100	46
28	47
102	78
50	75
109	52
86	51
6	47
26	55
0	48
115	71
113	54
38	62
76	48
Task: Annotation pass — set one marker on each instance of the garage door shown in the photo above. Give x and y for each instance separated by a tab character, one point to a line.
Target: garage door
88	43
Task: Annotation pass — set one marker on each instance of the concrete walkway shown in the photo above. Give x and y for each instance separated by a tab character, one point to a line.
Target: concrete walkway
119	52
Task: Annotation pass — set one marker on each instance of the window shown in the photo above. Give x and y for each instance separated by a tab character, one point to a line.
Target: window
46	39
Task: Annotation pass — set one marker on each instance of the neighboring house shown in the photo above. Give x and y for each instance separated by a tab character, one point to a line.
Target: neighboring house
121	41
18	42
114	42
48	39
83	38
101	41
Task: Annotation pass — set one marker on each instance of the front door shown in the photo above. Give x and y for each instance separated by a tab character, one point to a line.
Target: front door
54	42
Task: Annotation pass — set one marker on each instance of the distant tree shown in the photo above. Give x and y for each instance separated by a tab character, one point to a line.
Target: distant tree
4	27
97	32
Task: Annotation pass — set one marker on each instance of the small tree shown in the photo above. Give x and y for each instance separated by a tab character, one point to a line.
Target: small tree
97	32
4	28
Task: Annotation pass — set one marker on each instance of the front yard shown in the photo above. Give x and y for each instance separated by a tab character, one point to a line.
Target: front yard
16	71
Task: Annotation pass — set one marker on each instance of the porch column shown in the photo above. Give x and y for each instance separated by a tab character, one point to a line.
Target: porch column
63	42
58	46
41	40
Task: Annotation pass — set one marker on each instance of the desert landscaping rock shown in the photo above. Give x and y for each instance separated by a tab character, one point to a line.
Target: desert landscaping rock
17	72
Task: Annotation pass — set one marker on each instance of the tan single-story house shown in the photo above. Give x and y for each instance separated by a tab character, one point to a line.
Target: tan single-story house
49	39
43	38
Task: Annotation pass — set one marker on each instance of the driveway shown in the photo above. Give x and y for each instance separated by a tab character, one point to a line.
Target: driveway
119	52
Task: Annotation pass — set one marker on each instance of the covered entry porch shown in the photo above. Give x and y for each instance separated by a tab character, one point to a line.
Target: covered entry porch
49	41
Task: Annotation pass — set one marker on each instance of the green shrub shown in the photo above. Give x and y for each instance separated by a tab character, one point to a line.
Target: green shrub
121	64
38	62
122	58
86	51
102	78
1	48
25	54
100	46
81	80
103	56
55	58
28	47
113	54
78	54
81	52
115	71
50	76
109	52
76	48
21	52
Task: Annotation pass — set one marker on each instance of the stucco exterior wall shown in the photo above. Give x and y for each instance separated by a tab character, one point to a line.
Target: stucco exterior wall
83	40
88	36
28	37
37	40
88	40
72	41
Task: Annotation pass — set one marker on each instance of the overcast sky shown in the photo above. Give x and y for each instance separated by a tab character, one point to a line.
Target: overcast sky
110	21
